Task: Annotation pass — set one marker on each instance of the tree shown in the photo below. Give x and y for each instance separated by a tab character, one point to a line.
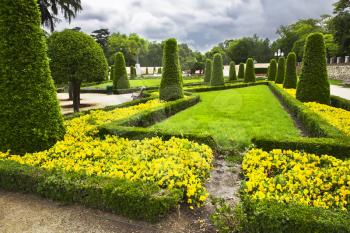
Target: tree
76	58
340	27
207	71
241	71
101	37
249	75
313	83
281	70
272	70
232	72
120	80
171	85
290	77
51	8
217	75
30	116
341	6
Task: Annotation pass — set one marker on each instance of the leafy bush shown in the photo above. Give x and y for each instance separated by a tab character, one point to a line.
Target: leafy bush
120	80
132	72
30	115
171	86
313	83
232	74
281	70
207	71
290	79
249	75
272	70
217	74
241	71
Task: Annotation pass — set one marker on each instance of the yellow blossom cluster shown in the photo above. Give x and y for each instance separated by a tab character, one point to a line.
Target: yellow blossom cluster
173	164
298	177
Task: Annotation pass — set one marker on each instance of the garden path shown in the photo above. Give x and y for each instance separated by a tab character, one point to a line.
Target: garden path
340	91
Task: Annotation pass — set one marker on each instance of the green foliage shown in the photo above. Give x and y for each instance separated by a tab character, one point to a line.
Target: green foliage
217	75
281	70
133	72
339	102
272	70
160	70
232	72
171	84
241	71
147	73
290	79
313	83
261	70
208	70
340	25
120	80
249	75
112	73
30	115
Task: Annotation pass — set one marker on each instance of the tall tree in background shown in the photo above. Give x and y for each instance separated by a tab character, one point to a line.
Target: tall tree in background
101	37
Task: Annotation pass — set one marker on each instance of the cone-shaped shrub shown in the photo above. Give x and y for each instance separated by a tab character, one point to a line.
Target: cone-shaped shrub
313	83
249	75
171	84
290	77
30	116
217	73
272	70
208	69
112	73
232	72
281	70
146	70
132	72
159	70
120	80
241	71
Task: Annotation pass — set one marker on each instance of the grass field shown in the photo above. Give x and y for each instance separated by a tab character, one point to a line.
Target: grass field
234	117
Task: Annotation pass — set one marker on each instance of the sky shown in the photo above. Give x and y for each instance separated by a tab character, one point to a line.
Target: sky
200	23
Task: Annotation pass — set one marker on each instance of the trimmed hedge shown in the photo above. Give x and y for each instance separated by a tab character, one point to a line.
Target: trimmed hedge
120	80
280	70
226	87
249	75
207	71
272	70
232	72
112	73
241	71
143	201
290	77
313	83
133	72
261	70
171	85
339	102
30	115
217	74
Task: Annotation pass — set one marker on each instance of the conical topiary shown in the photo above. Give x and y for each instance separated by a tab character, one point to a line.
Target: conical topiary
241	71
249	75
217	74
290	77
232	72
120	80
272	70
171	83
112	73
280	70
313	83
30	115
132	72
208	70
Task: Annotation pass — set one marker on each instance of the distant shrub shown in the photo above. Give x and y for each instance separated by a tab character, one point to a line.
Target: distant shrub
208	70
160	70
132	72
232	73
272	70
120	80
217	74
290	79
281	70
147	71
241	71
249	75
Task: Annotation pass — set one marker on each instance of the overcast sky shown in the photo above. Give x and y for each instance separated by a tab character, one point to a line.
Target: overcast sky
200	23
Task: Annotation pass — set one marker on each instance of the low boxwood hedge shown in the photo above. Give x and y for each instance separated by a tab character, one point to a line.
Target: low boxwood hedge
339	102
226	87
261	70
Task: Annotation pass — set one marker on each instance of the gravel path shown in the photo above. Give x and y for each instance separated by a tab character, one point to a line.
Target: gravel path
340	91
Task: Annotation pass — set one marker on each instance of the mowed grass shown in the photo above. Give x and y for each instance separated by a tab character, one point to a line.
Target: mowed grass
233	117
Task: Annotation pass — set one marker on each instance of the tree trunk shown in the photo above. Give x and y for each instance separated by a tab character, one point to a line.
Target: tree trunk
76	95
70	90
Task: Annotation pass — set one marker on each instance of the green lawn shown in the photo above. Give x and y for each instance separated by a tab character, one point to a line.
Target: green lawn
234	117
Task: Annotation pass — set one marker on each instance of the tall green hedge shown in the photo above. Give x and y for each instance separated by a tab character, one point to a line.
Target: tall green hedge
313	83
171	85
217	74
112	73
208	69
281	70
120	80
272	70
241	71
290	77
249	75
232	73
30	115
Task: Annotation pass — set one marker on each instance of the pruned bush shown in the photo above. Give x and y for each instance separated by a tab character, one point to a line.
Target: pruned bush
217	74
171	86
30	116
232	73
281	70
241	71
120	80
290	79
146	70
208	69
160	70
112	73
132	72
272	70
249	75
313	83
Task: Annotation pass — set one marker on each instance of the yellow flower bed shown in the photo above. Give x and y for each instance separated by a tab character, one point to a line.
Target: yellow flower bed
174	164
293	176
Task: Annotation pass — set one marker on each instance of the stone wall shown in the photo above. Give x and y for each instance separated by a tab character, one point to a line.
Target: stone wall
339	72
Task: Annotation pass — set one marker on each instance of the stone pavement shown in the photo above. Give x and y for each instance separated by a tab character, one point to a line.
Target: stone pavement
340	91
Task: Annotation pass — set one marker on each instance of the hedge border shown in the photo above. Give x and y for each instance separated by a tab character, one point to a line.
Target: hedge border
226	87
339	102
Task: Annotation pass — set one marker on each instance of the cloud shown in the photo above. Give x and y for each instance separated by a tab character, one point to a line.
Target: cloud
201	23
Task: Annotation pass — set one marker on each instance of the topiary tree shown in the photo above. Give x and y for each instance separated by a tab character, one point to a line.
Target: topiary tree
290	77
120	80
208	69
241	71
313	83
217	74
272	70
160	70
112	73
30	115
132	72
249	75
280	70
76	57
146	70
232	72
171	83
